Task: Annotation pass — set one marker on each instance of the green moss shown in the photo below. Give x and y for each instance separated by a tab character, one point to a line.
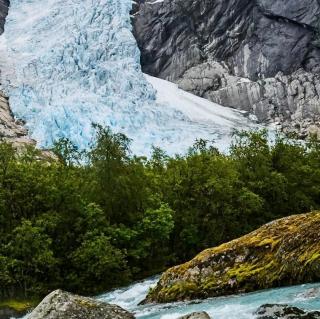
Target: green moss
313	257
18	305
86	303
179	291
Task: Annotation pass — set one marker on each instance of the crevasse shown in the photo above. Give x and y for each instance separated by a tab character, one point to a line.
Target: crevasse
66	64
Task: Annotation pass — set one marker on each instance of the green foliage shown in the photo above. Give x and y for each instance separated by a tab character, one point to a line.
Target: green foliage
93	263
29	257
89	221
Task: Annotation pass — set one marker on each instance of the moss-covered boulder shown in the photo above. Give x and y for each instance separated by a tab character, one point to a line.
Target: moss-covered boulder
283	252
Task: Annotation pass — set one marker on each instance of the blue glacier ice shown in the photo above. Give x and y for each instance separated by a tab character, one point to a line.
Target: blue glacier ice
66	64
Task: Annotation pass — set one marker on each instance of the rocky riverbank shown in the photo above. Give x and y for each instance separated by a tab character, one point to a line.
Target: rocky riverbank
64	305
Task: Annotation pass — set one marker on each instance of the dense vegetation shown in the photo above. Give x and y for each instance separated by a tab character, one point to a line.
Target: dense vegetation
94	220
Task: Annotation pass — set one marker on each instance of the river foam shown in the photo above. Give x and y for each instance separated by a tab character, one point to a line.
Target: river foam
240	306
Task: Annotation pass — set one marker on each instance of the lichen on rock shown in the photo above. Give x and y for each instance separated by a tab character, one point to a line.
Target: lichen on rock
62	305
283	252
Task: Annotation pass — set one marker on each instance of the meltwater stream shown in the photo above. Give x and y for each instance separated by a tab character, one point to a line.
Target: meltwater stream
231	307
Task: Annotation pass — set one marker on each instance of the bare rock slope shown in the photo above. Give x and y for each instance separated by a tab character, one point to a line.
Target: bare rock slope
260	56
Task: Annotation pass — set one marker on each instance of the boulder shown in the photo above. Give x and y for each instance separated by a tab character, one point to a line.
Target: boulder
270	311
11	129
196	315
64	305
281	253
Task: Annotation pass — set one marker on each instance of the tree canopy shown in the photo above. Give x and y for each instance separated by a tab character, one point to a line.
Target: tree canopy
90	221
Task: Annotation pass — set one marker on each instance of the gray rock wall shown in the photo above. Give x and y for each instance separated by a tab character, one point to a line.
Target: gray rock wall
259	56
291	101
12	130
4	6
255	38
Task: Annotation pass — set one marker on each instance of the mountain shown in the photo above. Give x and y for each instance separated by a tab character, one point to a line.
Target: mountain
75	63
259	56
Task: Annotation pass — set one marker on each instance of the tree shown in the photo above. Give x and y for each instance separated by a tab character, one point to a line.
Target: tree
67	152
97	265
154	232
30	258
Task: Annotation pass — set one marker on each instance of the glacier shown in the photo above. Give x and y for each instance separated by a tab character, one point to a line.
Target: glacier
66	64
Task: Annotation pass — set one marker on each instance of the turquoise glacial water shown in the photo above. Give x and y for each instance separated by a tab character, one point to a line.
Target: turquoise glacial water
240	306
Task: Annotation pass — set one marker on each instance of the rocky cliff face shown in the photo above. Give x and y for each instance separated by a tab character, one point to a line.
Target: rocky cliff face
283	252
11	130
4	6
209	47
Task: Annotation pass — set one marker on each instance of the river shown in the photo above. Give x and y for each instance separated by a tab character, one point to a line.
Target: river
232	307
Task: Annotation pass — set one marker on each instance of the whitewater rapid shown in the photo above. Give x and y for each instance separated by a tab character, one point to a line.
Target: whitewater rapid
231	307
73	63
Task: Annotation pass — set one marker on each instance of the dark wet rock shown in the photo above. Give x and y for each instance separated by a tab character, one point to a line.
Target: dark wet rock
281	253
63	305
270	311
196	315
